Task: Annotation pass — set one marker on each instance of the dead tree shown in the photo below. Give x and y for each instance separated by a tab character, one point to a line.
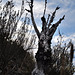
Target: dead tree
43	55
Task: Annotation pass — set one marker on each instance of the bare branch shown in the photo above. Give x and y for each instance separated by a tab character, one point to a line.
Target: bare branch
31	1
33	21
43	23
71	52
27	10
34	24
48	18
52	17
54	26
45	7
32	17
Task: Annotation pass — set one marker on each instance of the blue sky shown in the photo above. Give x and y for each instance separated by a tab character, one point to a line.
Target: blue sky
67	8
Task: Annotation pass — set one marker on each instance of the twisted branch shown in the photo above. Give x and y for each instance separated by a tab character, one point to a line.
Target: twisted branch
52	17
54	26
32	18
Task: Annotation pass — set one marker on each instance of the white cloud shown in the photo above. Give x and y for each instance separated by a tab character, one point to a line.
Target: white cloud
38	8
65	38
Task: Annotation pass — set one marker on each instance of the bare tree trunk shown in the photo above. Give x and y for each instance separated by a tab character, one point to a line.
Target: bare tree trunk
44	55
62	71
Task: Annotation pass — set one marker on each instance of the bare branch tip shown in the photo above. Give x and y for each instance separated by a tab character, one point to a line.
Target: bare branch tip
63	17
57	8
27	10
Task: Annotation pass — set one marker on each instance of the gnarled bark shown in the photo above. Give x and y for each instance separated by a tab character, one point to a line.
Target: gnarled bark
44	55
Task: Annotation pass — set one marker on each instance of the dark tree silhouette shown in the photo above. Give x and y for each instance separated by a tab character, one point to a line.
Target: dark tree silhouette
44	54
14	56
63	57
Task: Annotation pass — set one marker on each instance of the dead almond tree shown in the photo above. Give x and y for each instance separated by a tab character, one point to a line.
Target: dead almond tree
44	54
